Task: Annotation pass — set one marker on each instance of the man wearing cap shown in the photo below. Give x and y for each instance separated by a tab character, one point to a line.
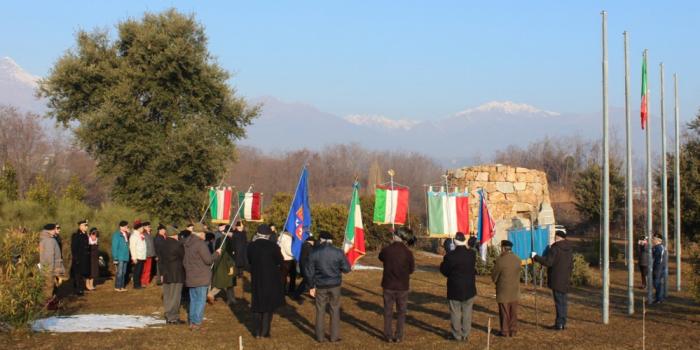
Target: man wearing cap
50	262
660	257
267	292
324	272
137	248
643	260
506	276
306	249
171	253
240	256
161	236
559	263
459	266
398	267
80	257
120	255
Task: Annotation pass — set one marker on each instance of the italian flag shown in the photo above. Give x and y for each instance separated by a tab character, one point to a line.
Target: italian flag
645	93
448	213
220	207
354	245
250	205
390	205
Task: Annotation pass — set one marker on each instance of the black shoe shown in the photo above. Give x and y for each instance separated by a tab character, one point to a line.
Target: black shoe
388	339
398	340
558	327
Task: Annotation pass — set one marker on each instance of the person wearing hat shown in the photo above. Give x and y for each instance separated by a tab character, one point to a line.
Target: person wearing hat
660	257
171	253
559	263
148	264
80	257
274	236
120	255
137	248
267	290
197	262
399	264
324	272
50	263
306	249
289	266
459	266
240	254
643	260
93	236
161	236
506	276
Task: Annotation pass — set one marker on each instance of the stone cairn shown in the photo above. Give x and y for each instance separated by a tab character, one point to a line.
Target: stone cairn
513	195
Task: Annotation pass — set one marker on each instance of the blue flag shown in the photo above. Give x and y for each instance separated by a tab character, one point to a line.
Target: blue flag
299	217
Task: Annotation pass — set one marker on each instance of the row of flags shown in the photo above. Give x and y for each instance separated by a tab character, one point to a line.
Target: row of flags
448	213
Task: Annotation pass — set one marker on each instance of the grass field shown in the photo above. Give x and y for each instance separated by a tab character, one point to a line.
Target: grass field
672	325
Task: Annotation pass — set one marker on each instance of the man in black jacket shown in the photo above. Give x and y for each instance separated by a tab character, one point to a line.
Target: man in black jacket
80	257
459	266
398	266
324	272
306	249
559	263
171	254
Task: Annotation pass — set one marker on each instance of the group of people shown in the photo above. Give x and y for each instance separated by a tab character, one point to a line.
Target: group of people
85	259
659	262
196	267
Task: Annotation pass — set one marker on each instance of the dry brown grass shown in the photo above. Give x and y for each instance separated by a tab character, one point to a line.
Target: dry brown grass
673	325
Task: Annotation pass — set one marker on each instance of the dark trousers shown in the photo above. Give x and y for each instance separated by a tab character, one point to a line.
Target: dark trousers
561	305
172	295
644	270
659	287
328	297
400	299
138	270
262	323
289	269
78	280
508	317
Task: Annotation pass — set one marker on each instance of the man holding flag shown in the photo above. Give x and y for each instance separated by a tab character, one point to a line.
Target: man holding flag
299	217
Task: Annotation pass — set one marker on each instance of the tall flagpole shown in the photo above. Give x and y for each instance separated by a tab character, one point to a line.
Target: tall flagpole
606	179
629	221
391	200
664	176
649	194
677	185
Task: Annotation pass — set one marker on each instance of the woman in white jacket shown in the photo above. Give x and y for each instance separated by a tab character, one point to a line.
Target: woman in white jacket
289	267
137	248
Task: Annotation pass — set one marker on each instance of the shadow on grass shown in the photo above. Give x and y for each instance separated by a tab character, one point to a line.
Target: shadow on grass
291	314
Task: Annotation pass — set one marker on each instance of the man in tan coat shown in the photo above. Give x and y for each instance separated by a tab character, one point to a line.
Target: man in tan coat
506	275
51	263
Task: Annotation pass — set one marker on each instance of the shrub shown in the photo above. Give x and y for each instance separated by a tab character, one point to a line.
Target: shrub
591	250
485	267
581	274
21	296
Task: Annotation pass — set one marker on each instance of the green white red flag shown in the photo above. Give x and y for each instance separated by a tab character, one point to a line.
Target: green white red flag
390	204
354	245
645	94
250	204
220	207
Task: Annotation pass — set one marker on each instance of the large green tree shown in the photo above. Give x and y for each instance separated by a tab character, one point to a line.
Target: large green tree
153	108
690	183
588	189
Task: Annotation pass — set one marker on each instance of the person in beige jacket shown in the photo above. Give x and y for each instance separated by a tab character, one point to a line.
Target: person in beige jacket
506	275
50	261
137	248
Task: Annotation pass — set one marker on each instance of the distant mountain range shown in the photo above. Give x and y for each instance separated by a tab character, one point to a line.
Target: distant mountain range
461	138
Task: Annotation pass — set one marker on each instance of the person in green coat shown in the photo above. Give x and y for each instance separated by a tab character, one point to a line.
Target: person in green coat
223	270
506	276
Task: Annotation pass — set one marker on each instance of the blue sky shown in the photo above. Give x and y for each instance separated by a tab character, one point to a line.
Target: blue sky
404	59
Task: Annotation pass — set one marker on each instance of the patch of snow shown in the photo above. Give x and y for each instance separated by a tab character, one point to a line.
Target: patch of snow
381	121
366	267
9	69
93	323
507	107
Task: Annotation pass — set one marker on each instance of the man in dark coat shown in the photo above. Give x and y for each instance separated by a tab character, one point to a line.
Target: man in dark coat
559	263
171	253
324	272
506	276
264	261
643	260
240	254
224	269
659	266
161	236
398	266
80	257
459	266
306	249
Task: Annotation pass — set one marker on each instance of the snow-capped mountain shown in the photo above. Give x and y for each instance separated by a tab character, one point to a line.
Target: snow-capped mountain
18	87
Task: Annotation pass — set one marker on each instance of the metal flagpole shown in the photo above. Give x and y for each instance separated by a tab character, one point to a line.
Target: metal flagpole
447	204
210	201
606	178
677	185
649	194
629	185
235	217
664	176
629	221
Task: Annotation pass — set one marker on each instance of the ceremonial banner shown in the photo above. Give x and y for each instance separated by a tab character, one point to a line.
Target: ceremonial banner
390	205
486	227
645	94
220	207
299	217
250	205
354	245
448	213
